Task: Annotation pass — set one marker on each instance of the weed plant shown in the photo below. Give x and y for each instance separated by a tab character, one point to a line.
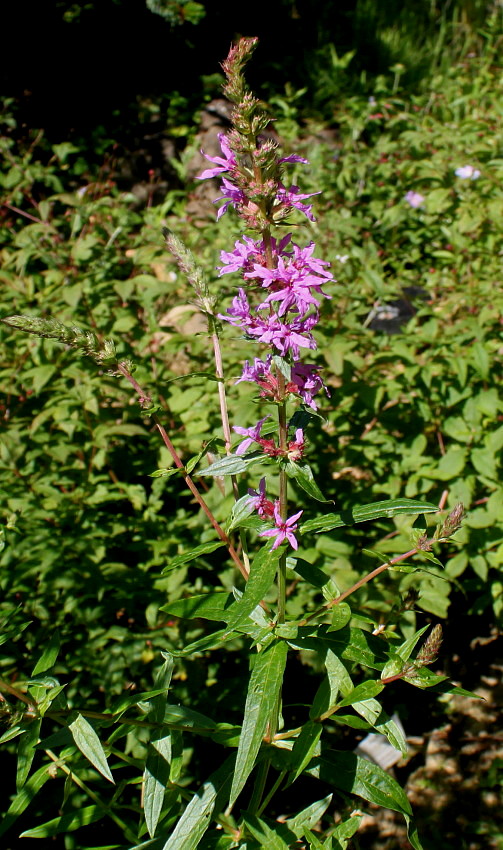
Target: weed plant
104	568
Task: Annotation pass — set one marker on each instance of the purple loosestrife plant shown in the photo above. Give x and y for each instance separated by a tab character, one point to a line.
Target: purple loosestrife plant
277	306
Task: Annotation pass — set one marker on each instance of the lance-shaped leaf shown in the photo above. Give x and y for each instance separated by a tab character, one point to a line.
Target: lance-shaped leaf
26	751
268	835
240	512
90	746
262	572
309	816
208	606
158	762
374	714
348	643
399	655
305	746
232	464
24	797
192	554
352	774
364	513
196	818
263	694
302	474
68	822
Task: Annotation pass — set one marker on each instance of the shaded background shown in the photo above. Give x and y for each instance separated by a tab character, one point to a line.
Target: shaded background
71	67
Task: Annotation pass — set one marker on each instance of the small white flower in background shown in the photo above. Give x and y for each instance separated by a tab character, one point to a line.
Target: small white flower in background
415	199
342	258
467	172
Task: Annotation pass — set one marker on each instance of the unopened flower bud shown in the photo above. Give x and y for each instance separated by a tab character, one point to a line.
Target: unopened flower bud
430	648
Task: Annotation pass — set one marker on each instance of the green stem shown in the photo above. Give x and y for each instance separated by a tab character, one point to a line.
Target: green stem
283	498
258	788
272	792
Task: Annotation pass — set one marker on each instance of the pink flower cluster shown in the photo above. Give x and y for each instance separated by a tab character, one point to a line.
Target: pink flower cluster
278	304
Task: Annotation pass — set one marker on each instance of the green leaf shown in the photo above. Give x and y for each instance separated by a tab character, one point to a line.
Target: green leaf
265	834
90	746
309	816
308	571
355	775
363	691
68	822
241	510
24	797
192	463
196	818
263	693
303	475
353	644
187	718
49	655
26	751
341	615
304	748
364	513
374	714
348	828
262	571
208	606
316	844
192	554
399	655
158	762
337	681
204	644
40	375
449	466
232	465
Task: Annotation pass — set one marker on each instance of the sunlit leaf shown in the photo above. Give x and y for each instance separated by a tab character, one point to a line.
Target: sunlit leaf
263	692
365	513
90	745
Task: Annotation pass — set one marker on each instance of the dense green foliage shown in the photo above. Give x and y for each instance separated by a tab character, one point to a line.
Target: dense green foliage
96	575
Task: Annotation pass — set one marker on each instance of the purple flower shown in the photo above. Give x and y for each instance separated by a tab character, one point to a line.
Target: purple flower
307	382
285	337
467	172
234	196
261	504
225	163
415	199
293	280
283	529
294	157
291	198
239	314
252	435
248	252
244	255
260	371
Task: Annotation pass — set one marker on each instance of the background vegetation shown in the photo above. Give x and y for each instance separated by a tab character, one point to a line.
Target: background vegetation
386	99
